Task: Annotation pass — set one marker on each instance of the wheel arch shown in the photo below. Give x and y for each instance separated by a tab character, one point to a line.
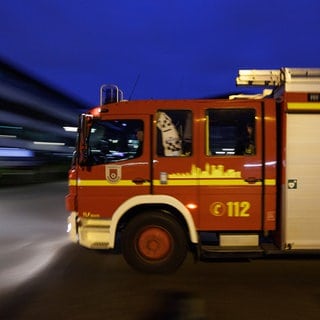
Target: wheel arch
170	205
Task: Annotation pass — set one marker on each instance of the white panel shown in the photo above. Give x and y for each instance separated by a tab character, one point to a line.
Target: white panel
239	240
302	87
302	216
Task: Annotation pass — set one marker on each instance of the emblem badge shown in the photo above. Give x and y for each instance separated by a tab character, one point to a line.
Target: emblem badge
113	173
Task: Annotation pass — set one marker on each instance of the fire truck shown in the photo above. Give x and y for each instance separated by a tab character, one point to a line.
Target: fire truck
217	177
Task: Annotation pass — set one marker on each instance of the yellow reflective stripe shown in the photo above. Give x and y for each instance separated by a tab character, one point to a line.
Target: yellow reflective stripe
228	182
103	183
72	182
270	182
214	182
203	182
303	106
172	182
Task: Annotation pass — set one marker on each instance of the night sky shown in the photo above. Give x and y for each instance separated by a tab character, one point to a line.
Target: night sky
165	49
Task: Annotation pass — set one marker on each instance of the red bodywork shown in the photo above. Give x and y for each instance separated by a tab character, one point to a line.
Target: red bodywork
222	193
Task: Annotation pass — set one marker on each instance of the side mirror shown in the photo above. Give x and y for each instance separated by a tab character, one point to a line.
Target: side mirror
85	127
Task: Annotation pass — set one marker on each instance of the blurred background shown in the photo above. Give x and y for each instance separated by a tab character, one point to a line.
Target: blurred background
55	55
37	129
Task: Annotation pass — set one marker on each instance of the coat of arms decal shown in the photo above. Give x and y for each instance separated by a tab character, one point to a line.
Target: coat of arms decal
113	173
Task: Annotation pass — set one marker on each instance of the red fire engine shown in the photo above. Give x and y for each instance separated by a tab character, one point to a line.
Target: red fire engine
215	176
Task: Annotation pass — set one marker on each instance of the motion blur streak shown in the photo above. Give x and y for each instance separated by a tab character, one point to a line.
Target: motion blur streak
38	256
32	231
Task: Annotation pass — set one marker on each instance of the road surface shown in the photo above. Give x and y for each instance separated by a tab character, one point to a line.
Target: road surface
44	276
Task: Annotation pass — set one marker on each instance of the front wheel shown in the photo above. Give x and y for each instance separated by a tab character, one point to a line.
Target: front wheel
154	242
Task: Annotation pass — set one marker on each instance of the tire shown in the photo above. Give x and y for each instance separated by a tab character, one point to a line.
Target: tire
154	242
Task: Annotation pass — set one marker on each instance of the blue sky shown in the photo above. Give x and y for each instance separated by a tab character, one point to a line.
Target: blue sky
175	48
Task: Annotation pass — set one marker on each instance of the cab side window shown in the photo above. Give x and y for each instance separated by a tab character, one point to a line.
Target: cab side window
230	132
115	140
174	133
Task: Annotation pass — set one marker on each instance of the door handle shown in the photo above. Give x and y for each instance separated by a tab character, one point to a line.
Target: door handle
252	180
139	180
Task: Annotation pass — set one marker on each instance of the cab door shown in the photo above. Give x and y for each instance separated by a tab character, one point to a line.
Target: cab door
231	171
175	154
118	165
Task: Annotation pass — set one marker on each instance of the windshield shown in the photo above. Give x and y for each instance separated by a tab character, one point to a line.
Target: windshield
115	140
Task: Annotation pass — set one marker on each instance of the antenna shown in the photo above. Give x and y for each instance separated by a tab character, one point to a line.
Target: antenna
134	86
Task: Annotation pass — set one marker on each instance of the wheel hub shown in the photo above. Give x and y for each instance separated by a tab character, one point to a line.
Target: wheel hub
154	243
